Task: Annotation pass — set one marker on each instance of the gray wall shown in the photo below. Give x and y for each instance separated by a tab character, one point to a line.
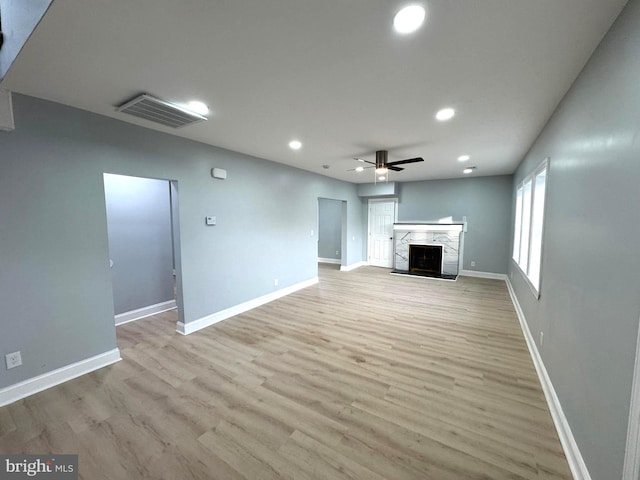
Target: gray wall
55	283
485	201
377	189
140	242
329	228
589	303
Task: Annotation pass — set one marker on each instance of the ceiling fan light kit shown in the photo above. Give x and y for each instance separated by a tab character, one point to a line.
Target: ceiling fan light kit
383	166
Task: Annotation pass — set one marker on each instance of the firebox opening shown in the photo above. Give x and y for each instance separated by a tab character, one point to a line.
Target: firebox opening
425	260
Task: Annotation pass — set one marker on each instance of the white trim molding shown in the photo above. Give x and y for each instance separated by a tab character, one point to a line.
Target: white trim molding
144	312
335	261
568	441
190	327
353	266
20	390
631	469
473	273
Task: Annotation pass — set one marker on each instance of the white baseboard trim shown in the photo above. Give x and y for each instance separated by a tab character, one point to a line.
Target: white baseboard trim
353	266
188	328
335	261
20	390
473	273
143	312
568	441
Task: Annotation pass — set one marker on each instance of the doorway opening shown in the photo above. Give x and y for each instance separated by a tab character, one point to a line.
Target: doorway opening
332	229
144	248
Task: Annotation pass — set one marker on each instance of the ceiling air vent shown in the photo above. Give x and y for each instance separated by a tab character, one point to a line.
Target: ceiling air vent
156	110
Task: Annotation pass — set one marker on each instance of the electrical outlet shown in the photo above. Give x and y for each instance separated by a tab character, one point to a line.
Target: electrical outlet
541	338
275	282
13	359
473	263
337	252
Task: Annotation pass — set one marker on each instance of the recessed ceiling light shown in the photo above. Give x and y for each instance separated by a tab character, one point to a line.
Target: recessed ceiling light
359	169
382	178
445	114
409	19
463	158
468	170
295	145
198	107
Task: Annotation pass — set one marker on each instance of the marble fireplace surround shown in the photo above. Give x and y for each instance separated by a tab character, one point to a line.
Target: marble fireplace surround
446	235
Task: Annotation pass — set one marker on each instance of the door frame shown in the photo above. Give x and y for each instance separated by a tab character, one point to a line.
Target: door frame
395	220
343	225
174	212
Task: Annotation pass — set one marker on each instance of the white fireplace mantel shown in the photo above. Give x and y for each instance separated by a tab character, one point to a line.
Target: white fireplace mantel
428	227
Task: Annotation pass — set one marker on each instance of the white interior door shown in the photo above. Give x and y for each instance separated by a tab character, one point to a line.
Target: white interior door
382	215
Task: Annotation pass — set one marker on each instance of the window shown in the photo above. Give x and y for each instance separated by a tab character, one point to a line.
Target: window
528	225
518	226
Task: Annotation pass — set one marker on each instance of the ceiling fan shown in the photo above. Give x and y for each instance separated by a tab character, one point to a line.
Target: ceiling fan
383	166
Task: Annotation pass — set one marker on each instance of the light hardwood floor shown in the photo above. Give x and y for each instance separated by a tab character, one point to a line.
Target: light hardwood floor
364	376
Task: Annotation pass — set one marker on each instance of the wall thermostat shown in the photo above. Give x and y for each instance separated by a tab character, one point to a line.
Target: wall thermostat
210	220
220	173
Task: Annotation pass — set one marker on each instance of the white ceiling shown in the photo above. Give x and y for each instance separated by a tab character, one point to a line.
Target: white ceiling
331	73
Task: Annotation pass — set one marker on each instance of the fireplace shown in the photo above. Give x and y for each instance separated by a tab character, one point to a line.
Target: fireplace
428	250
425	260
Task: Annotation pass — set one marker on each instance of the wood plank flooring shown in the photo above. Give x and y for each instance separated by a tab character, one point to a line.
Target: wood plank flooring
364	376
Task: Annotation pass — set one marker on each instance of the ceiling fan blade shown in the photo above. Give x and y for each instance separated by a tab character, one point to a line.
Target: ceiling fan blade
395	169
408	160
353	169
362	160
